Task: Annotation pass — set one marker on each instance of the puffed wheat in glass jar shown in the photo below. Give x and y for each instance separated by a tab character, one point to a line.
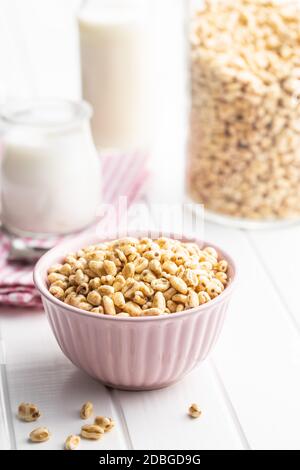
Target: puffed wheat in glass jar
244	141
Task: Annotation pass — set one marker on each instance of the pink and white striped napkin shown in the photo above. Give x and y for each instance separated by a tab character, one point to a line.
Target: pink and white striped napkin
123	175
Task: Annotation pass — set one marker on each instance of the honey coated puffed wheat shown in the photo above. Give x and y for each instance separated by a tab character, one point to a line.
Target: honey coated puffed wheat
134	277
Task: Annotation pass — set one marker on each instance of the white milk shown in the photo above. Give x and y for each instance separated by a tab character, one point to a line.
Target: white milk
50	180
115	80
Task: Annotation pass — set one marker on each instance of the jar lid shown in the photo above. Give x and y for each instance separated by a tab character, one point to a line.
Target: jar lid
52	113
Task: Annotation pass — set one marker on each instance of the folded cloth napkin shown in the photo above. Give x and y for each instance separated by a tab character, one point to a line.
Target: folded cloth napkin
123	175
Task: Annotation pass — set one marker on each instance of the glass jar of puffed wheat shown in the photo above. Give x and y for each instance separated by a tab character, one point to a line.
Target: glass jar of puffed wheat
244	138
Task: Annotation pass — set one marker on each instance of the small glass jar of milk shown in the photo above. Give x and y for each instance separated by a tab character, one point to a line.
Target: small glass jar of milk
50	173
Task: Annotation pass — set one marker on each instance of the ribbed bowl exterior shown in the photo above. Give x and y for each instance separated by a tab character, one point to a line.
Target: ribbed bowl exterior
134	354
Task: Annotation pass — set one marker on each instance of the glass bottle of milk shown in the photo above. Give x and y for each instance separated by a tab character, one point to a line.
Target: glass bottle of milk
114	45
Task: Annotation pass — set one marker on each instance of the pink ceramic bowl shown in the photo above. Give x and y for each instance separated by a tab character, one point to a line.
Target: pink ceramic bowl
132	353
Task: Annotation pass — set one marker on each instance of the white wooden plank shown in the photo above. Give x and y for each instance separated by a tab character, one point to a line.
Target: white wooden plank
38	372
59	390
280	253
159	419
5	443
258	354
4	435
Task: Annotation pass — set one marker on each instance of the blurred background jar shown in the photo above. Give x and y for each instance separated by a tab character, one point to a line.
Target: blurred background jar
243	159
50	174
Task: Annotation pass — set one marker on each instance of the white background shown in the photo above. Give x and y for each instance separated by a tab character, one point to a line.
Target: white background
39	48
249	388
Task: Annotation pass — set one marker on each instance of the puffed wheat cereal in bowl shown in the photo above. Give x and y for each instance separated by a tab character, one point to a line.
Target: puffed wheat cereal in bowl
139	277
137	312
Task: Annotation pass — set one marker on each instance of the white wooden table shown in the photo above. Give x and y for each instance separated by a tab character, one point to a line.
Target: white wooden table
248	389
